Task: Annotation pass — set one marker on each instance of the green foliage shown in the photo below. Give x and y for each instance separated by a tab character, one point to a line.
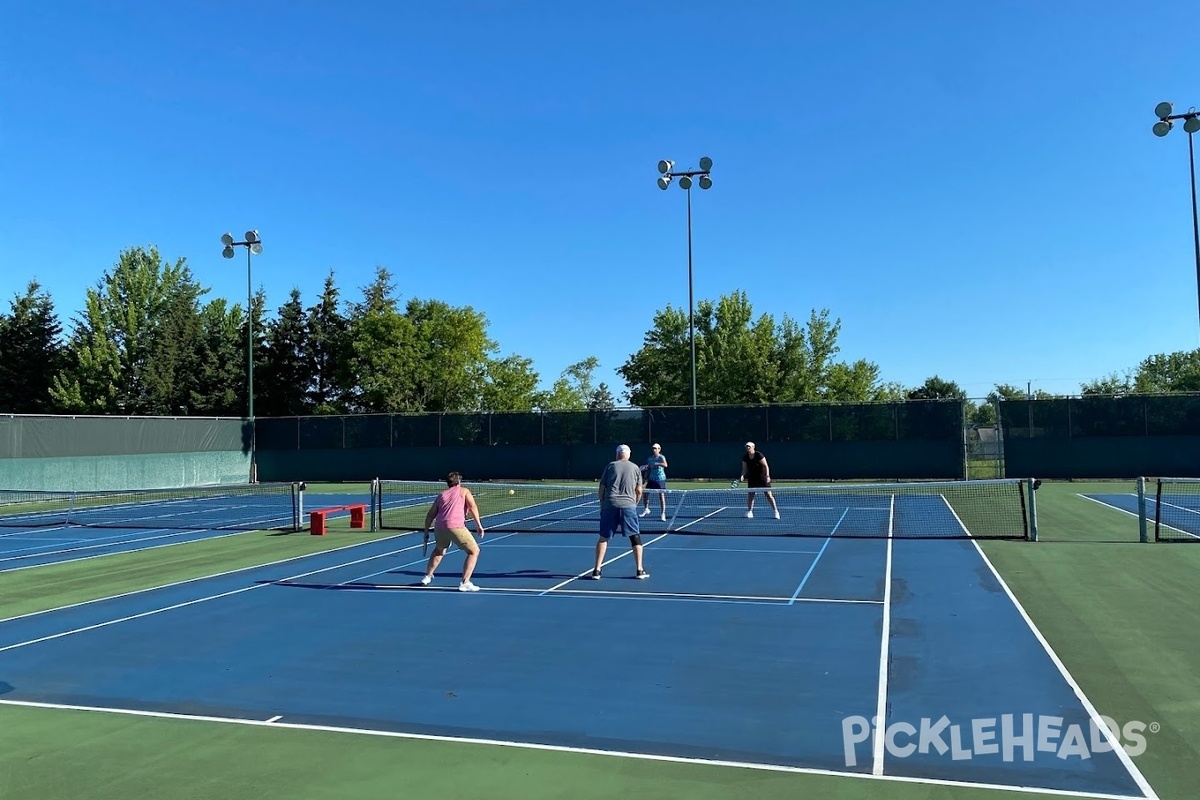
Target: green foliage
131	317
510	384
30	352
574	390
935	388
743	359
284	370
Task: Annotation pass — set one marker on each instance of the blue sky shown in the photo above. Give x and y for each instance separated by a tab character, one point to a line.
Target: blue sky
973	189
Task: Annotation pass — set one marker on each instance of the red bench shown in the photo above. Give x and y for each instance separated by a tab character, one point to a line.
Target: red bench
358	517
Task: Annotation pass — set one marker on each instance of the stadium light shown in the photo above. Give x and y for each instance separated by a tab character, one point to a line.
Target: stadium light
1191	124
685	182
253	245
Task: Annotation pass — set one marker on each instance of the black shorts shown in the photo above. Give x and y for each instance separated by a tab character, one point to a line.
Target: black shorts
758	483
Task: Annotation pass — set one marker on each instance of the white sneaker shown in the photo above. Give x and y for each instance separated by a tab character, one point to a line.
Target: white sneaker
776	515
663	517
645	512
425	581
468	587
749	515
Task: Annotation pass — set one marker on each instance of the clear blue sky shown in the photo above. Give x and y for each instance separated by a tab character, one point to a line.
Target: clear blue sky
972	188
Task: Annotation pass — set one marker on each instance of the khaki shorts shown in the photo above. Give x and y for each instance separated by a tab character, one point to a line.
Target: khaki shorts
460	536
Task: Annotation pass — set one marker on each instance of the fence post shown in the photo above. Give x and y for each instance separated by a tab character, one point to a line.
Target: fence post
1143	534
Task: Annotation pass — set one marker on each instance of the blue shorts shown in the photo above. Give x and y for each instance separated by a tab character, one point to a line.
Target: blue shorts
613	518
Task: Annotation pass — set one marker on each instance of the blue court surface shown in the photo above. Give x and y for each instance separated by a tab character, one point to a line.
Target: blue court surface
39	538
770	651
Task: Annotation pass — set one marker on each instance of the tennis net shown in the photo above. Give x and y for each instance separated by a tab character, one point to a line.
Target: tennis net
1176	510
984	509
256	506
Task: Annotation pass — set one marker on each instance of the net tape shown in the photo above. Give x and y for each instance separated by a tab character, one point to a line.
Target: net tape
985	509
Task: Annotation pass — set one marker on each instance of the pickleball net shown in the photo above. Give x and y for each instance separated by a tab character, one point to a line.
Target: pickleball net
256	506
980	509
1176	509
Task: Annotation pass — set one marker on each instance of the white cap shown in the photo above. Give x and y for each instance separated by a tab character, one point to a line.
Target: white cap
623	449
656	446
749	444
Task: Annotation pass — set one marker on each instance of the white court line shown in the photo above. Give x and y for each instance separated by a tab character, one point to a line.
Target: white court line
602	593
603	564
197	601
1113	743
275	718
820	553
630	551
885	638
463	740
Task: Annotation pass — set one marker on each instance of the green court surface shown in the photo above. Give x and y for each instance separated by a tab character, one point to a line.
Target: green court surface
1120	614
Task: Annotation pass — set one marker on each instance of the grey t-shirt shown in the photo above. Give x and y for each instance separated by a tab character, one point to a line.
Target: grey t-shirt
620	480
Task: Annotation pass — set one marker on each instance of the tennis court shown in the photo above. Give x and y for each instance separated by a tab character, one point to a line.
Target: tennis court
755	641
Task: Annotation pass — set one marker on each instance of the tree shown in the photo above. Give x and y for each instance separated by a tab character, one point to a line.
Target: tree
659	374
936	388
286	362
573	390
220	362
451	349
602	399
743	359
1169	372
30	353
432	357
328	353
510	384
123	328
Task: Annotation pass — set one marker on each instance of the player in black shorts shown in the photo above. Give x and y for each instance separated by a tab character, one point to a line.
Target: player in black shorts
757	474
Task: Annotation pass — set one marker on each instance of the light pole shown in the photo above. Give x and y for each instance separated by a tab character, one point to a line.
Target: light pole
685	183
1191	124
253	245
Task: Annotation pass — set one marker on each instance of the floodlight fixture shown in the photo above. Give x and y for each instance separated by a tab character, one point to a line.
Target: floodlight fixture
685	182
251	236
226	239
705	182
1191	125
228	251
665	166
664	182
706	163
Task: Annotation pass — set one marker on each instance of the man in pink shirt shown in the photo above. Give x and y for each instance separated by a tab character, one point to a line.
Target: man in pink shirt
448	515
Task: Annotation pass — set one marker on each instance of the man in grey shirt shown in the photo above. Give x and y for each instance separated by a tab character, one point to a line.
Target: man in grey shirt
620	491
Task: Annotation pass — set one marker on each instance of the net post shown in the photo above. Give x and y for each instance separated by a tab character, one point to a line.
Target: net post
1143	535
374	499
1031	488
298	506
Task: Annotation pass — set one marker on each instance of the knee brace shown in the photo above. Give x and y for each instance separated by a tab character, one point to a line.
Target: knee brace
635	540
